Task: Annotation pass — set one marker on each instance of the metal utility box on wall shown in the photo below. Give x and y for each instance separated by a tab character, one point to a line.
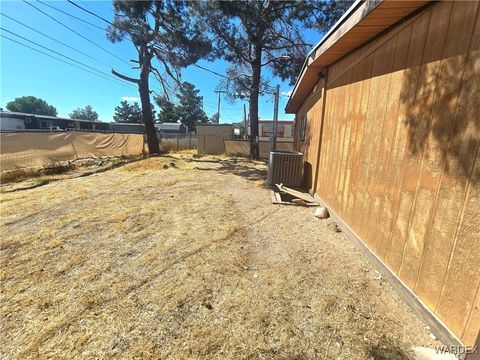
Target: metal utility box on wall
211	137
285	168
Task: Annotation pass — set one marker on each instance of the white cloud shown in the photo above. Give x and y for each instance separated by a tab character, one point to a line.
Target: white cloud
130	98
286	93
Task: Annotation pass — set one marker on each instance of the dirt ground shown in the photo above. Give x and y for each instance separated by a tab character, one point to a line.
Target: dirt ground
181	258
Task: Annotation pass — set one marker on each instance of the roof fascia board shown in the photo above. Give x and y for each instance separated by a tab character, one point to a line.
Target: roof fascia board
336	44
312	52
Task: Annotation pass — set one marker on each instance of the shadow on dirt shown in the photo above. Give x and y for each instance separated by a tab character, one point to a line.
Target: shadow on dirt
232	167
388	349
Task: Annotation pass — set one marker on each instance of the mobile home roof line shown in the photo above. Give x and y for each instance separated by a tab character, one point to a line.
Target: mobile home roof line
15	113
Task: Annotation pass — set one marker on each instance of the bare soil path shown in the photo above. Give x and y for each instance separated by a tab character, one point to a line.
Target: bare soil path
173	258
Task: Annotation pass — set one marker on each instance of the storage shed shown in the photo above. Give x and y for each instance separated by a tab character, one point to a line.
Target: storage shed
211	137
387	115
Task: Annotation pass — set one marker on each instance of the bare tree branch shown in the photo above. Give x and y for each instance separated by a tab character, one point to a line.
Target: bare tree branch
124	77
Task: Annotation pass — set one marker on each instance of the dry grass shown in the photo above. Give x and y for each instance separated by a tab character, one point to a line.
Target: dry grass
68	168
175	257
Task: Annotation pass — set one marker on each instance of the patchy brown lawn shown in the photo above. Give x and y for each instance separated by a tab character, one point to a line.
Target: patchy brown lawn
187	260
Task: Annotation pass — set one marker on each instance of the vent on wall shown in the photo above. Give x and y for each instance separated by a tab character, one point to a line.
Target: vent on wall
285	168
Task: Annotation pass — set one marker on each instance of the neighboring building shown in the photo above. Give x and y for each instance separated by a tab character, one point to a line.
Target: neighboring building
131	128
11	123
15	121
171	128
387	107
285	130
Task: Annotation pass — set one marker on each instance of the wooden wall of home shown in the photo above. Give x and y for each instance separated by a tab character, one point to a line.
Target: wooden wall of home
311	110
399	159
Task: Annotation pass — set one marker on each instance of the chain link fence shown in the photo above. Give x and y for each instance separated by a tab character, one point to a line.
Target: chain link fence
175	142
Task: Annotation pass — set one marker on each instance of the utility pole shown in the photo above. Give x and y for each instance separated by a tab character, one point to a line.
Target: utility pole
218	112
273	139
244	121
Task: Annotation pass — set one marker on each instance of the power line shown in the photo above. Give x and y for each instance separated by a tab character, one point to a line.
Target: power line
96	15
56	58
232	106
56	52
211	71
224	108
60	54
90	12
58	41
76	32
85	3
110	23
73	16
76	17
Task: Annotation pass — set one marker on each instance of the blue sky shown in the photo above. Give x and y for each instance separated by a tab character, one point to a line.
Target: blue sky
27	72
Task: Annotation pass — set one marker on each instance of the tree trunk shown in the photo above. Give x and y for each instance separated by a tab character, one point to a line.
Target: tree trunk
253	107
147	116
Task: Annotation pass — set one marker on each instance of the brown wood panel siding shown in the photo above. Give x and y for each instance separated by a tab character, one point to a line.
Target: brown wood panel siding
344	140
463	276
400	155
376	163
426	181
398	113
314	123
443	227
432	194
389	150
311	110
410	164
471	330
365	140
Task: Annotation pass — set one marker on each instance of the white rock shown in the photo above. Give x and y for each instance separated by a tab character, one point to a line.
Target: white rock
321	213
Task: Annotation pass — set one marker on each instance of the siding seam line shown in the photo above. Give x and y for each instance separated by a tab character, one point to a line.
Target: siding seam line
408	139
428	130
469	179
442	173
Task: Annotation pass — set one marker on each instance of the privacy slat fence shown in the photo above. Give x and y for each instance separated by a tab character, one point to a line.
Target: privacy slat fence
398	156
21	150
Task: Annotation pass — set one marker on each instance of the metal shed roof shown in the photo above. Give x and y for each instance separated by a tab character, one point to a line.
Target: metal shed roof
169	126
14	113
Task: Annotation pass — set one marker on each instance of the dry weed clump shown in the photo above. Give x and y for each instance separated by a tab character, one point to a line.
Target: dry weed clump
150	262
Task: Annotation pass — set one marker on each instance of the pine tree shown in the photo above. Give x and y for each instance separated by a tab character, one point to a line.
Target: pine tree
190	108
126	113
161	30
255	34
87	113
31	105
168	110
